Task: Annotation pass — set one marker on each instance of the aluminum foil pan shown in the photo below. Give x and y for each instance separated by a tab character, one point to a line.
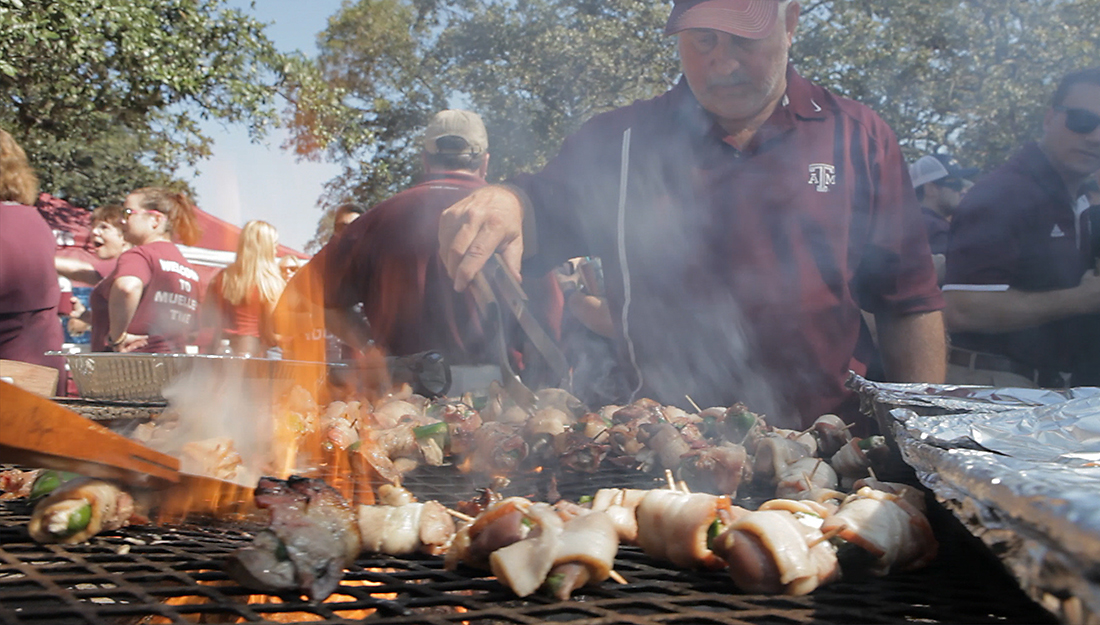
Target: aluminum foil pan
143	377
1021	469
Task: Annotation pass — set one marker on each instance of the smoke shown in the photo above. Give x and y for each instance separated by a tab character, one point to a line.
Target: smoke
225	398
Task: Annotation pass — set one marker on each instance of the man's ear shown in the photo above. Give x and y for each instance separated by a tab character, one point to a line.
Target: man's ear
793	11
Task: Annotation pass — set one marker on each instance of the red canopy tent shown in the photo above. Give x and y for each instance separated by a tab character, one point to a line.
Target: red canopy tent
217	247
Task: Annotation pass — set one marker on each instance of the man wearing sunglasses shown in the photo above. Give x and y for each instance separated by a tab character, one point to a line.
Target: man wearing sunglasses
1022	288
940	184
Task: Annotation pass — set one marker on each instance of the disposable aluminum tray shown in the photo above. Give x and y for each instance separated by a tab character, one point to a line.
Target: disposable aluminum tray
144	377
1021	469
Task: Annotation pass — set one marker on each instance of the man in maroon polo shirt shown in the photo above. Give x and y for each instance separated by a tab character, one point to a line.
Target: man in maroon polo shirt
387	261
1022	292
743	219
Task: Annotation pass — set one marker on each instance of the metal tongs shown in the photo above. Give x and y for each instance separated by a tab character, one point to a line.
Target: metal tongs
493	287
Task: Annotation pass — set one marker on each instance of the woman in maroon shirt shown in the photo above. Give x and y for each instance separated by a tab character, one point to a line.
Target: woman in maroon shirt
29	293
153	291
241	298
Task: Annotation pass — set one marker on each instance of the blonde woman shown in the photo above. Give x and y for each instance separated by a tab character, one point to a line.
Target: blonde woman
152	295
241	298
29	293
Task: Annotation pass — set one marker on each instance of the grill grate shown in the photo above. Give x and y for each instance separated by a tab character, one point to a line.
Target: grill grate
172	575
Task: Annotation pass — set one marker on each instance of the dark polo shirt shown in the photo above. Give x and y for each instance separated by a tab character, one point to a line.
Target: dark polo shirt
938	229
388	260
739	275
1018	228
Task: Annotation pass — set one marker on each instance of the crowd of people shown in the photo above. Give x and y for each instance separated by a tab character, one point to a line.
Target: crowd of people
757	237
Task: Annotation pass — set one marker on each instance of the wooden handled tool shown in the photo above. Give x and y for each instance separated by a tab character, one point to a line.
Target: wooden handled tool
37	432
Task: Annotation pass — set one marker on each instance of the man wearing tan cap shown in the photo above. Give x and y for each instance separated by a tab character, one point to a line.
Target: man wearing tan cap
743	219
387	261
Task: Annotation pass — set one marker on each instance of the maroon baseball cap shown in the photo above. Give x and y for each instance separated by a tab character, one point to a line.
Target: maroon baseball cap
751	19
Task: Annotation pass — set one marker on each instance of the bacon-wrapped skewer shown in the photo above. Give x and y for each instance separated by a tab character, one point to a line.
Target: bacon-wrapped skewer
892	533
585	554
500	525
717	469
80	509
803	475
674	526
524	564
401	525
620	505
855	459
771	551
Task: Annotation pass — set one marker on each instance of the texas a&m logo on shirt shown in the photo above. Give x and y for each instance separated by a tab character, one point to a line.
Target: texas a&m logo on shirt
822	175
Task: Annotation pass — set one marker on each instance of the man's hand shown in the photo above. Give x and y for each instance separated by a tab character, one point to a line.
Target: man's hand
486	221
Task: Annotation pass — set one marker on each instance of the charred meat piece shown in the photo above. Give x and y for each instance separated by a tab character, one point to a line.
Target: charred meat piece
312	537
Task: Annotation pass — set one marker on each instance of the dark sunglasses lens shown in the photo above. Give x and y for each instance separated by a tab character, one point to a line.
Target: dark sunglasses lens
1081	121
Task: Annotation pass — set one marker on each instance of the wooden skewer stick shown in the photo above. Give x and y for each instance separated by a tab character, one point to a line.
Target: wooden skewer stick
693	404
684	487
872	472
816	467
458	515
671	481
617	577
826	536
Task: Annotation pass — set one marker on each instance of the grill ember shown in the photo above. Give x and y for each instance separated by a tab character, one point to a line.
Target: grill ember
173	575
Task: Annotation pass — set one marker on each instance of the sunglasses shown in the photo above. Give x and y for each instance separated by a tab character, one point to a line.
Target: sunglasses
128	212
1080	121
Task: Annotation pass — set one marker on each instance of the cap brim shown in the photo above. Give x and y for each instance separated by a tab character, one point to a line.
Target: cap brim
751	19
967	173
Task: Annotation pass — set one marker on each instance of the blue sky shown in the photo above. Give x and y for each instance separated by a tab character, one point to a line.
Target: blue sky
243	180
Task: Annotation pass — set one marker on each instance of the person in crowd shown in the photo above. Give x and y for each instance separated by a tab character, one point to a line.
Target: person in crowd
29	291
940	184
150	301
384	282
289	265
300	313
240	300
345	214
743	219
107	243
1022	291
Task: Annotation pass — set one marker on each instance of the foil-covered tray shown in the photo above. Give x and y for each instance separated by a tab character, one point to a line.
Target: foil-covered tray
1020	468
145	377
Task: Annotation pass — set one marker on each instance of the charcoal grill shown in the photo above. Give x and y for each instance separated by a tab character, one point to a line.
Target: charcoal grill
172	575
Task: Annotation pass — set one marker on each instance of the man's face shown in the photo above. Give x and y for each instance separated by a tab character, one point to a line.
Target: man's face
1075	153
735	78
342	221
949	193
